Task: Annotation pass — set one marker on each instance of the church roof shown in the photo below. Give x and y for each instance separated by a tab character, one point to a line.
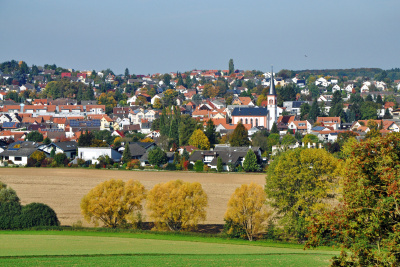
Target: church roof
249	111
272	84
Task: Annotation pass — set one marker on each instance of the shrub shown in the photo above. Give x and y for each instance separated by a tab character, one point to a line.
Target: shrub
47	162
9	215
170	167
38	214
198	166
133	164
60	158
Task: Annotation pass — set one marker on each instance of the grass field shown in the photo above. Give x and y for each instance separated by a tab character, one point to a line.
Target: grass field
63	188
65	248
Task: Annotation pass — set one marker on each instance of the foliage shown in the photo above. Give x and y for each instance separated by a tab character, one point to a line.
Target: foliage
239	136
113	202
37	214
7	194
9	215
67	89
199	140
34	136
367	221
250	162
210	132
46	141
60	159
126	155
288	139
177	204
133	164
220	166
247	209
85	139
297	182
274	129
373	129
310	138
157	157
199	166
39	156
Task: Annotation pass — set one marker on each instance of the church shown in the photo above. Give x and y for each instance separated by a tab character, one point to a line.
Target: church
259	116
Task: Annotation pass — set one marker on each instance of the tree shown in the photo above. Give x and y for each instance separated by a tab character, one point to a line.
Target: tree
231	67
210	132
113	202
247	209
157	157
38	214
288	139
239	136
34	136
126	155
199	140
38	156
304	110
387	115
310	138
60	158
86	139
367	220
46	141
373	129
274	128
298	181
177	204
220	166
7	194
126	73
314	111
250	162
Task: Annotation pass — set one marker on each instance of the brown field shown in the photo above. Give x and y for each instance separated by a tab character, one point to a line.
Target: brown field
63	189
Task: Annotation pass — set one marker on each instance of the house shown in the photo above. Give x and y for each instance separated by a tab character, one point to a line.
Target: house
334	122
303	127
18	152
68	148
93	153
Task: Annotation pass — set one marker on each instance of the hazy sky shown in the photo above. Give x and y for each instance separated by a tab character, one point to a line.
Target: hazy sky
162	36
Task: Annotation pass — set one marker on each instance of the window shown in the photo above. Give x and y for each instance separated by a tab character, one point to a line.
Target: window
18	159
247	122
256	122
251	122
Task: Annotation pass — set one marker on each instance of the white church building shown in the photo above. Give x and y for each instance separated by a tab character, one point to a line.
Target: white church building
259	116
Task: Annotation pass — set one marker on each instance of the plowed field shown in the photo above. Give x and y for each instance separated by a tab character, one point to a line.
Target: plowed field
63	189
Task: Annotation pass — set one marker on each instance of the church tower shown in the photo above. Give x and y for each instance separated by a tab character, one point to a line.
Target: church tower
272	103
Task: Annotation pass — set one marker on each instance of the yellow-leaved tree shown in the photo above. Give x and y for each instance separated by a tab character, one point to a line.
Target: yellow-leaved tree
199	140
113	202
177	204
247	209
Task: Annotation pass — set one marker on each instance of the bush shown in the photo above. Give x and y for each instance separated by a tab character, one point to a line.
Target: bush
60	159
38	214
190	167
47	162
233	230
9	215
170	167
198	166
133	164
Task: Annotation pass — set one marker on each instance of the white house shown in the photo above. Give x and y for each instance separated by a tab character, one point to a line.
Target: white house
93	153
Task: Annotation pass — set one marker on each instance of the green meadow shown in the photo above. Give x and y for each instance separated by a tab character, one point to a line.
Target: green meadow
66	248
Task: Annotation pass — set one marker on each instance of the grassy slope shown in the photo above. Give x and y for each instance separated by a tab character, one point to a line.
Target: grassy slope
105	248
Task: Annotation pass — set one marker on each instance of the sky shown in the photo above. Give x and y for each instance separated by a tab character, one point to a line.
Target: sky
149	36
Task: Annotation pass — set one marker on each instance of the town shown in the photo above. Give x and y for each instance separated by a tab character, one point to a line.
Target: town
198	120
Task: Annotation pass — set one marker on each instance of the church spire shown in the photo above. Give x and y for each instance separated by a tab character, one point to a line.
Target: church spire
272	83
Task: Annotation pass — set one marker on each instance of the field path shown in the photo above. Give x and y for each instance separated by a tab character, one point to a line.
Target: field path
63	188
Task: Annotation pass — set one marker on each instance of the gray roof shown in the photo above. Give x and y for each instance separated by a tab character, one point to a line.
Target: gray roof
22	152
250	111
136	150
272	84
66	146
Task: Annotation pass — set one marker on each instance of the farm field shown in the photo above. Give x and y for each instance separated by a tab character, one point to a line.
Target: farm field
63	188
41	248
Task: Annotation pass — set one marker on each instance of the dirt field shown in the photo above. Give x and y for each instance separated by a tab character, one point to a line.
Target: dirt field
63	189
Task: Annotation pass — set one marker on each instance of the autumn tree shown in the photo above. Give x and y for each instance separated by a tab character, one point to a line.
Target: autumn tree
297	182
199	140
250	162
310	138
247	209
113	202
373	129
367	220
177	205
239	136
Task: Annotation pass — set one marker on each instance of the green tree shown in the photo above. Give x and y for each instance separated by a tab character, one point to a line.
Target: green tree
310	138
47	141
387	115
7	194
34	136
60	158
367	220
220	166
298	182
157	157
113	202
210	132
199	166
231	66
126	73
274	129
85	139
304	111
126	155
38	214
177	205
239	136
187	126
314	111
250	162
288	139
